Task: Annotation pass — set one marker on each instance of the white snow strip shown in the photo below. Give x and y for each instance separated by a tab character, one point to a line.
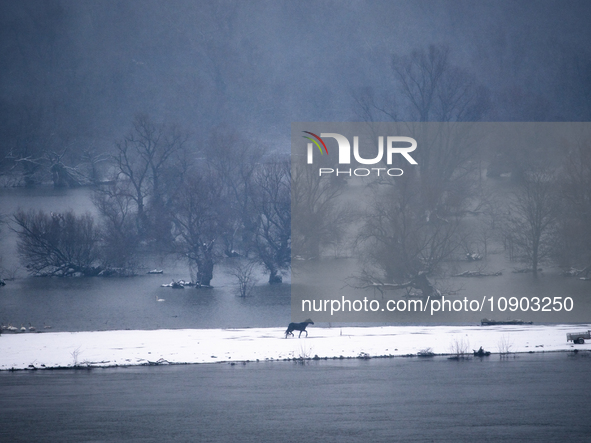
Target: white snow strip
126	348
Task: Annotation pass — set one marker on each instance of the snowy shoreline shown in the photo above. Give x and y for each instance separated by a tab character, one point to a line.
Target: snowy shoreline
53	350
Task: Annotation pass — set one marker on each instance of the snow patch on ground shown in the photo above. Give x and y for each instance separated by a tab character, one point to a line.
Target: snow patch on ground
128	348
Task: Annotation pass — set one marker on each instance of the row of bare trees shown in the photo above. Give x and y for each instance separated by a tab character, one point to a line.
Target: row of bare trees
243	206
403	242
229	198
417	223
232	199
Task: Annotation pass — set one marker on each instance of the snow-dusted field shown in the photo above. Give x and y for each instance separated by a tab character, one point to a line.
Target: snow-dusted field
122	348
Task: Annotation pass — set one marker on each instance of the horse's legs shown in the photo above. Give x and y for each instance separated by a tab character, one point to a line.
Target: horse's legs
303	330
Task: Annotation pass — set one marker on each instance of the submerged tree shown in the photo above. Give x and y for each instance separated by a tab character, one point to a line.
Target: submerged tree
531	224
119	238
414	226
243	272
575	193
235	161
401	245
272	240
199	220
59	244
141	162
318	216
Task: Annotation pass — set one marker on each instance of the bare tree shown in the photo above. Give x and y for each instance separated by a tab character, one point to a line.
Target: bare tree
575	193
532	218
93	160
402	245
272	203
199	220
141	159
436	90
318	216
64	175
414	227
59	244
119	238
429	88
243	272
235	161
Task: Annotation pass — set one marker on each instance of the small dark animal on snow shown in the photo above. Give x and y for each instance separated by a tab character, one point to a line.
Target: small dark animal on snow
298	327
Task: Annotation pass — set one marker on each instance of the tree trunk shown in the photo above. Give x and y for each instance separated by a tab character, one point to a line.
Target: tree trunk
535	256
63	177
141	219
205	265
426	287
205	273
274	278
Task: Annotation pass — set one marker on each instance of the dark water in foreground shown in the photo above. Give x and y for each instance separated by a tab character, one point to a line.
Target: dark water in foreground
538	398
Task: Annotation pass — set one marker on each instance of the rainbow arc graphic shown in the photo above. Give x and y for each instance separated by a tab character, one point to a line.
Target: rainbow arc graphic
315	142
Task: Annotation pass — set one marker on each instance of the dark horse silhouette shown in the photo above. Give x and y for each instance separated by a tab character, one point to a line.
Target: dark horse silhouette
298	327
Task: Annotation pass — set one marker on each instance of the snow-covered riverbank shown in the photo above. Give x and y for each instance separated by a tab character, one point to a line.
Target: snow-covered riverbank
123	348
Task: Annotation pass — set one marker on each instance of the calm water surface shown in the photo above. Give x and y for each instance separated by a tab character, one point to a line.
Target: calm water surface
86	304
537	398
82	304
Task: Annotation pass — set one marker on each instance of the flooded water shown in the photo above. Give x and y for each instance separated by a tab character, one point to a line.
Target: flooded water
538	398
501	289
532	397
87	304
82	304
96	304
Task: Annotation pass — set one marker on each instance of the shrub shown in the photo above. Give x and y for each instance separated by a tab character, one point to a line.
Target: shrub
59	244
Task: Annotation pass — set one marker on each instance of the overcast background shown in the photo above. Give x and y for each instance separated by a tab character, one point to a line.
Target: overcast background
88	67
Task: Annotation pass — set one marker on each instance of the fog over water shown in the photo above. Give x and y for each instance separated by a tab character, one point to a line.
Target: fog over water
169	122
95	303
74	76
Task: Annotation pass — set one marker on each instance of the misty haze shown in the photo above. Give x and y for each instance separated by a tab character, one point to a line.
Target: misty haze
154	176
